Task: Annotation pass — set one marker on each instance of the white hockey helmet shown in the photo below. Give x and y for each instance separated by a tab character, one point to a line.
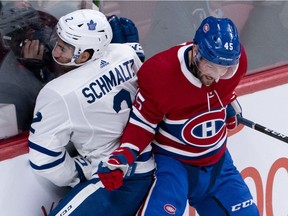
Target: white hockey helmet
85	29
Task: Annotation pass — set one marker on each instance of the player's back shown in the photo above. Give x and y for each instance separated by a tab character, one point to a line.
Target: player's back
94	101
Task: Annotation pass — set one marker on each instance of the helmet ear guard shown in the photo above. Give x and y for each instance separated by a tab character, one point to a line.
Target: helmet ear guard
218	41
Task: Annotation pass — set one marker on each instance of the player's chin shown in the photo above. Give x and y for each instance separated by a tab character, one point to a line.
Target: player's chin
207	81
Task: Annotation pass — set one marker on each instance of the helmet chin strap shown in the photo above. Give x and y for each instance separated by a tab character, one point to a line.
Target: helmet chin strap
72	63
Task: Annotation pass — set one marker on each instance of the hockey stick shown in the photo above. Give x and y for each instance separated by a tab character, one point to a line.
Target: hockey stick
262	129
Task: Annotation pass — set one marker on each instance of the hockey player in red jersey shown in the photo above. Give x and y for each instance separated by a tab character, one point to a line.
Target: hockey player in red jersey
184	106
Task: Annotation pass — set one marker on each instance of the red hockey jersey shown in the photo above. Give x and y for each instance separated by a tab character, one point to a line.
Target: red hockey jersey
182	117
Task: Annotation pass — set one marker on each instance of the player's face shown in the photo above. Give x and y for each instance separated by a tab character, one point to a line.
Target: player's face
62	52
210	72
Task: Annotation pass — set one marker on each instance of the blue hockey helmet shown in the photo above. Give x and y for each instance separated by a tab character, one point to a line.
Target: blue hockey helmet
218	41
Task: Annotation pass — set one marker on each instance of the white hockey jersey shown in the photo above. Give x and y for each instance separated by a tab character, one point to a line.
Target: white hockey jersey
88	106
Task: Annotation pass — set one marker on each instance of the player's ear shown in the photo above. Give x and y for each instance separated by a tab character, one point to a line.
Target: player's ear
195	50
85	56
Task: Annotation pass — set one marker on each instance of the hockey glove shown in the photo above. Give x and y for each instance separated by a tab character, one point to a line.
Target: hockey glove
125	31
112	171
83	168
232	110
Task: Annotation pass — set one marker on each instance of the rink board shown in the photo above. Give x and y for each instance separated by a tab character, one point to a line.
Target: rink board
261	159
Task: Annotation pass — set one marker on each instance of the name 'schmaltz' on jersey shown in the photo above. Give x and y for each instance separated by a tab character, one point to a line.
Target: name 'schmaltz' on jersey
104	84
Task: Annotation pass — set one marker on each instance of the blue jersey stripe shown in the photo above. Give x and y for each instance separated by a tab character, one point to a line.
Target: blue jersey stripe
48	165
43	150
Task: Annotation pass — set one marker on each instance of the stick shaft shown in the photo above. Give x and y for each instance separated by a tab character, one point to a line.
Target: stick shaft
262	129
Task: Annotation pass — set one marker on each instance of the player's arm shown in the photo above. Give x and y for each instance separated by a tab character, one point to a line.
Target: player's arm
35	57
49	134
137	135
232	111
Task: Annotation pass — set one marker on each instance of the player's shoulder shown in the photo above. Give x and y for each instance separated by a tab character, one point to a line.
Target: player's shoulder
120	48
70	80
167	60
243	56
164	66
243	61
171	53
117	52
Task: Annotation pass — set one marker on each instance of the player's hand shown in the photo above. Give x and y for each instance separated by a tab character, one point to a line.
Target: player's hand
233	110
125	31
33	49
112	170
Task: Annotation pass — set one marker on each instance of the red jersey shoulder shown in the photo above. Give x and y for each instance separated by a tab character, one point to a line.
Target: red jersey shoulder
161	79
243	62
162	67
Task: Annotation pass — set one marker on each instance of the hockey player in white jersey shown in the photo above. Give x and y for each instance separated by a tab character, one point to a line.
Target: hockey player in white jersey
88	106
